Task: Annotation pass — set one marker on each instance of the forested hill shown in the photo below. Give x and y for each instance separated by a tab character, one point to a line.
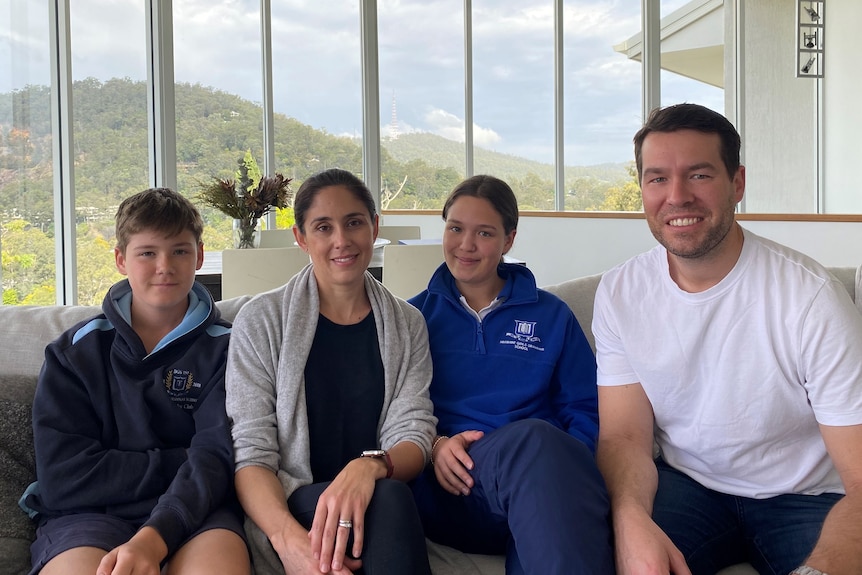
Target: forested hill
440	151
214	129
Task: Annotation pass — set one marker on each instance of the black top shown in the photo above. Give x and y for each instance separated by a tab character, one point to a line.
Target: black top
343	394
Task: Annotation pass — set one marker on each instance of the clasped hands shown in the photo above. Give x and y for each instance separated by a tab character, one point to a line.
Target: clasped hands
452	463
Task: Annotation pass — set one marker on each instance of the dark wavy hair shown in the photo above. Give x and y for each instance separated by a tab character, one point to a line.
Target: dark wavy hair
332	177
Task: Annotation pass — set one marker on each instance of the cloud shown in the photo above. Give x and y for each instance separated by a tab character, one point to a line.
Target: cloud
451	127
317	64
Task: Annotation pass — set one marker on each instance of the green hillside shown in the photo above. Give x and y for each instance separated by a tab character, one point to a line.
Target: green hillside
214	131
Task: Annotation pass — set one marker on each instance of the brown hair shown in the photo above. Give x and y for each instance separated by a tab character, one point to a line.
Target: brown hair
692	117
496	191
157	209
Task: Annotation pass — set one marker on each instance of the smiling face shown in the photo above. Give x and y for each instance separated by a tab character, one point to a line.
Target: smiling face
474	241
689	198
161	270
339	236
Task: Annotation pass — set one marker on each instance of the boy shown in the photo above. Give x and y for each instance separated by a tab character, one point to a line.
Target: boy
133	451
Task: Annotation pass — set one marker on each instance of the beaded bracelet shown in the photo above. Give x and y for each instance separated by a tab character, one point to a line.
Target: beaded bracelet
434	445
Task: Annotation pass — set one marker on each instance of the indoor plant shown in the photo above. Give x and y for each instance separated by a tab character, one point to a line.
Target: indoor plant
246	199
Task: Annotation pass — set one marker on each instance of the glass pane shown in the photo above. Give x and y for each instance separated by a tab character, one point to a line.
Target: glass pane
26	161
513	97
217	55
317	88
602	104
109	103
421	101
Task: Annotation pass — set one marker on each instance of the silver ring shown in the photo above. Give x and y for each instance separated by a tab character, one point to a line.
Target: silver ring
346	523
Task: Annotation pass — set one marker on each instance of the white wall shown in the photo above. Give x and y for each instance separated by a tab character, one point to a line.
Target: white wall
560	248
778	112
842	107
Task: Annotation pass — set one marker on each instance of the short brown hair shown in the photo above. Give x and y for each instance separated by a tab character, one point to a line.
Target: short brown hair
692	117
157	209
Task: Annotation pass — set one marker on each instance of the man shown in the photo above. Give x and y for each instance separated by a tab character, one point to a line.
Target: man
740	358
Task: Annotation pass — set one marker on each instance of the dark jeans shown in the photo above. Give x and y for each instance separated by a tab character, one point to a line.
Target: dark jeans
394	541
714	530
538	498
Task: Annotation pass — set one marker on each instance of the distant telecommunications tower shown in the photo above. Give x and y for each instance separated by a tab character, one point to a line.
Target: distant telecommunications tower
393	124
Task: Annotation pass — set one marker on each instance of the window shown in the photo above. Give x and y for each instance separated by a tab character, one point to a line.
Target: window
218	93
26	163
109	104
511	100
421	102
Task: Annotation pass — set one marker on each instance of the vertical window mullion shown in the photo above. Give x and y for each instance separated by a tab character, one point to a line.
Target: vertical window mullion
64	167
370	99
161	107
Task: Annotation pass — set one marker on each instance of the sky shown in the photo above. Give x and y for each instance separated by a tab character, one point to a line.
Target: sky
317	64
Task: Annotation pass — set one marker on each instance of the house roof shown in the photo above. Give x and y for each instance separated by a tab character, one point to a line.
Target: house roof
692	42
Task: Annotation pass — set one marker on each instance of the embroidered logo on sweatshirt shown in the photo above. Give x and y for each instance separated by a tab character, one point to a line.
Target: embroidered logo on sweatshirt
182	388
179	381
524	336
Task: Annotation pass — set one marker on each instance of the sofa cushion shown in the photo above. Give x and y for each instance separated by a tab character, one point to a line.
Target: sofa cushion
28	329
579	294
17	471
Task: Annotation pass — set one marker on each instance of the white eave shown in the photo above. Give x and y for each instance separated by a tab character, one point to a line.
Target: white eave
692	42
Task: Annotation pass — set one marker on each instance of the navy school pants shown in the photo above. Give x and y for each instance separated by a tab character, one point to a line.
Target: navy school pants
538	498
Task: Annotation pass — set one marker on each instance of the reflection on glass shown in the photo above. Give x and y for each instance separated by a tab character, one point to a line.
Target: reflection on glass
26	176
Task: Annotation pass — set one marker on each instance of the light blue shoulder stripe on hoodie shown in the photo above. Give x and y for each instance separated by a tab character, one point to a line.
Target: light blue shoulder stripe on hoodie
216	330
98	324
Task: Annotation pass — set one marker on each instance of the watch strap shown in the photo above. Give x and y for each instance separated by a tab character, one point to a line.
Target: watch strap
384	455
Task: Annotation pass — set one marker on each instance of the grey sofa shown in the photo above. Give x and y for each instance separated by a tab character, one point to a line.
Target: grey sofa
24	333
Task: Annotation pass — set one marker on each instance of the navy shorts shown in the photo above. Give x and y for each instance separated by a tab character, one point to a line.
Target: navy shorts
60	534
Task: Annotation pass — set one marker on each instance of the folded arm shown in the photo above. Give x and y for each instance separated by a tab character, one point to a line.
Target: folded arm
75	466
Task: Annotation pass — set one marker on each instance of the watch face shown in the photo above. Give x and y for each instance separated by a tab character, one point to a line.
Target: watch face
373	453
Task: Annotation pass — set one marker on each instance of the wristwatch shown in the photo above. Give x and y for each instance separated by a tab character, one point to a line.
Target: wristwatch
381	454
806	570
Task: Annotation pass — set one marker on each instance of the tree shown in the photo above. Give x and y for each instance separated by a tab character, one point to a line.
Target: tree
27	260
625	197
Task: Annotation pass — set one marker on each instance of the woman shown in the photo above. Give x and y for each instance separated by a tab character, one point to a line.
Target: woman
327	386
514	389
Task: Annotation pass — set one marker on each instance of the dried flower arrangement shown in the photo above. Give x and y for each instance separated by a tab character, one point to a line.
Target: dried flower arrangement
248	198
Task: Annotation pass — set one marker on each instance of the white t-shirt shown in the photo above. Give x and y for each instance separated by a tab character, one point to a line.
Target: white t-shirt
738	375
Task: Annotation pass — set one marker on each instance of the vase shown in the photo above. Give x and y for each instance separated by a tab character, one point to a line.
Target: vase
246	233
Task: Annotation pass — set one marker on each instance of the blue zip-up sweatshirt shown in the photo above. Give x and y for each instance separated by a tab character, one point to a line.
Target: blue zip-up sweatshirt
529	358
143	437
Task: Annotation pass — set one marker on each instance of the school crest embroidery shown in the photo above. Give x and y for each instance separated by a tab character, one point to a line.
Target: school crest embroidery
178	381
182	388
524	337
